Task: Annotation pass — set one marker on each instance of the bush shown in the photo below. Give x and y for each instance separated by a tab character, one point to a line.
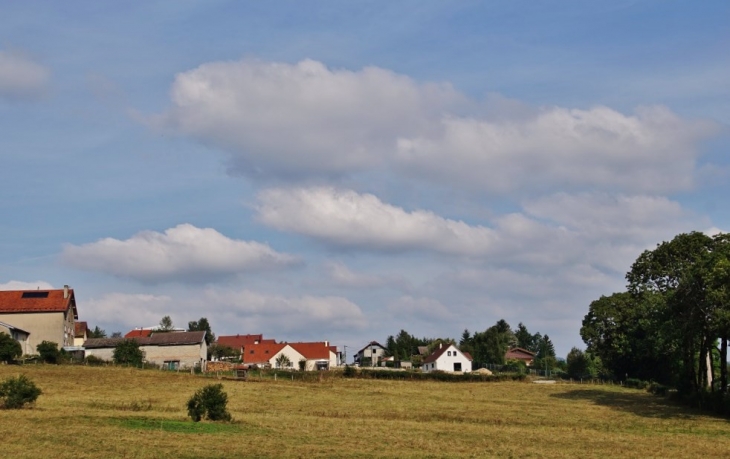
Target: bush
128	352
209	403
49	352
349	372
9	348
17	392
94	361
515	366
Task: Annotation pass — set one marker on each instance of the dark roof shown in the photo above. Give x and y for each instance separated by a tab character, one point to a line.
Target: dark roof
371	343
519	353
422	350
439	352
25	301
158	339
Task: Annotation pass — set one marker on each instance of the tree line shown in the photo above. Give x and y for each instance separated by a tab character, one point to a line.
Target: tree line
672	323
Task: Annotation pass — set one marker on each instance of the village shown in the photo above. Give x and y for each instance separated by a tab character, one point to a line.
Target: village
33	317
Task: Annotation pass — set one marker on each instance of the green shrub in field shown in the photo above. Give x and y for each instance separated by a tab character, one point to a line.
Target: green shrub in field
349	372
17	392
515	366
9	348
49	352
127	352
94	361
209	403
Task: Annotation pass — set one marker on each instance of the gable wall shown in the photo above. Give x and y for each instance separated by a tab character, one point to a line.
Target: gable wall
56	327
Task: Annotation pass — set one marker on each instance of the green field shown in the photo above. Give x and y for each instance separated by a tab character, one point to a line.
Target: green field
119	412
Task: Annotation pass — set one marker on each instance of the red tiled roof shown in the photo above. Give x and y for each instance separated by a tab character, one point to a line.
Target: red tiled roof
312	351
260	353
80	329
138	333
13	301
239	341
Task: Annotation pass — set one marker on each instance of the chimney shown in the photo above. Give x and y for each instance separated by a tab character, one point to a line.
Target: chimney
441	345
65	292
326	344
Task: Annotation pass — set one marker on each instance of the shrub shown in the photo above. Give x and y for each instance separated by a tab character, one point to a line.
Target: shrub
349	372
17	392
94	361
209	403
9	348
128	352
515	366
49	352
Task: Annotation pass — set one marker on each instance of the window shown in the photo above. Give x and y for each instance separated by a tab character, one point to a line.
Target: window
171	364
35	294
251	351
448	353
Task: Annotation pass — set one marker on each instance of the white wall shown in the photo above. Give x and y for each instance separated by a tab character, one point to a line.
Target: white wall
446	361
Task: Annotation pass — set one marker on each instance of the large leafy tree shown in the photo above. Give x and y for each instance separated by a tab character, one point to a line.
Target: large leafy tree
127	352
97	333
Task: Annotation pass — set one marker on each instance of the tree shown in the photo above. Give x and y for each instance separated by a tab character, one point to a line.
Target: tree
165	324
202	325
17	392
49	352
127	352
9	348
221	352
525	339
97	333
579	365
209	403
116	334
283	361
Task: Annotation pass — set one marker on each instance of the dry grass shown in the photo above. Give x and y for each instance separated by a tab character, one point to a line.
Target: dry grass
115	412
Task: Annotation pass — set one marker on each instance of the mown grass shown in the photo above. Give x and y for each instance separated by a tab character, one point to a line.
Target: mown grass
123	412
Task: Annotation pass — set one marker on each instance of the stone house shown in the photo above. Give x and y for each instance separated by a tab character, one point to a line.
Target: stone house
167	350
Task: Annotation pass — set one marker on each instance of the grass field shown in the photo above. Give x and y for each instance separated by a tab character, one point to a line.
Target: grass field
118	412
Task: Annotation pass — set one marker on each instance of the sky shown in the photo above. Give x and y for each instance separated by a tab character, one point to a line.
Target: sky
334	171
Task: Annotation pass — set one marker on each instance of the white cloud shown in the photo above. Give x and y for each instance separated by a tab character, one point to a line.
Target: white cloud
305	120
421	308
131	310
651	151
20	77
302	119
229	311
21	285
342	276
183	252
349	219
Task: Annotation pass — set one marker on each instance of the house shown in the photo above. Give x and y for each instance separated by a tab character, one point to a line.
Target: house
370	354
518	353
81	333
46	315
167	350
447	358
267	353
238	342
19	335
318	355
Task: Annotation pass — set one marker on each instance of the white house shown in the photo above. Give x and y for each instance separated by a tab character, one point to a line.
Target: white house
447	358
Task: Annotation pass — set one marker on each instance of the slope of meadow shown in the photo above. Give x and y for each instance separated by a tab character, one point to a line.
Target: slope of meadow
120	412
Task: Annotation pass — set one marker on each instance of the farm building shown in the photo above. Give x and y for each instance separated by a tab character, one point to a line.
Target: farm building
517	353
169	350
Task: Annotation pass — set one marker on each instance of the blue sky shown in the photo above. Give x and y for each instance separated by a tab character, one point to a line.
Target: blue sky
340	172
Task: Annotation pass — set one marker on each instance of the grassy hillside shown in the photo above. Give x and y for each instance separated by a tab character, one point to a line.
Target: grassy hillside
116	412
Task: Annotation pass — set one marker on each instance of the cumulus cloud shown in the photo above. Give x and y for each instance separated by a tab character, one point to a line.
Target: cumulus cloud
183	252
21	285
305	120
21	77
349	219
287	313
342	276
132	310
230	311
